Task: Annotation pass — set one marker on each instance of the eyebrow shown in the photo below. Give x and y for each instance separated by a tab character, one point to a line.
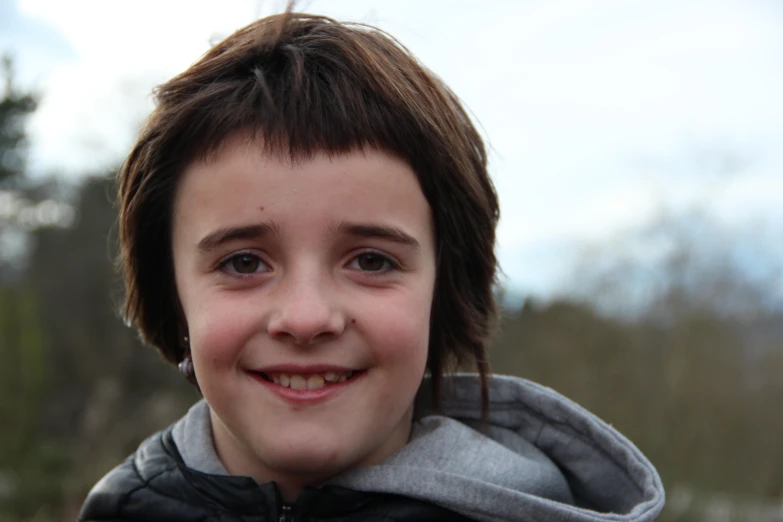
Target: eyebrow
225	235
387	233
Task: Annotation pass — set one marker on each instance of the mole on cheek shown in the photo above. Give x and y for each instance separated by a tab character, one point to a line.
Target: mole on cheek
261	209
353	321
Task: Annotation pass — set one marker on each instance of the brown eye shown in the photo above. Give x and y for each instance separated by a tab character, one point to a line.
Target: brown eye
245	263
372	262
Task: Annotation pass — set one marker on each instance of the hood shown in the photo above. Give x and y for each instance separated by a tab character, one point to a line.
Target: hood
539	458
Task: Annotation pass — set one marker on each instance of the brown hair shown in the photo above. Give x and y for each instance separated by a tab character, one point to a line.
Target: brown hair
306	84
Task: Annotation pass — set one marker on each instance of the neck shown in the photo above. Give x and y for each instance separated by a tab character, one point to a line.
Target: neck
292	477
241	460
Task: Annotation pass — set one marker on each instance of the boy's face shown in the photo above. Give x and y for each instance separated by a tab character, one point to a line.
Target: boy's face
318	274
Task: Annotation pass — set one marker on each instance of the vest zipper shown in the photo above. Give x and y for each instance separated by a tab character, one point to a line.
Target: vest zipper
285	514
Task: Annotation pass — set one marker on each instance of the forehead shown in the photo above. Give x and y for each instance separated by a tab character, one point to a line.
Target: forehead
242	183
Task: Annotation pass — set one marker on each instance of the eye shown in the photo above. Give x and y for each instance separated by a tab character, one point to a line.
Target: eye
372	262
243	263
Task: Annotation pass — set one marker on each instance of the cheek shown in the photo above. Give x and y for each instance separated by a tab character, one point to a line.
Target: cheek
219	327
400	330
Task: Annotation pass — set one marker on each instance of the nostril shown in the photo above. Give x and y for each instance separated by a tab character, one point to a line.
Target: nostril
305	323
323	337
318	338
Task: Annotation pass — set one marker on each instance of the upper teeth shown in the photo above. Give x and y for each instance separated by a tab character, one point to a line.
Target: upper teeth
311	382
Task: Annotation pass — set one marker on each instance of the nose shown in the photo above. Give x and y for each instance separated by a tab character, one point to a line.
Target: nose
305	310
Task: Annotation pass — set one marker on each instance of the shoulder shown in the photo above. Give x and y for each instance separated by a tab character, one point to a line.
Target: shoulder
132	490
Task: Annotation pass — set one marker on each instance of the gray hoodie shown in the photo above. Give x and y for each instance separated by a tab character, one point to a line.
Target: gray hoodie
540	458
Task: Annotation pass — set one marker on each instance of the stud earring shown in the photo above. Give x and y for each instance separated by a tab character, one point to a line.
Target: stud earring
185	366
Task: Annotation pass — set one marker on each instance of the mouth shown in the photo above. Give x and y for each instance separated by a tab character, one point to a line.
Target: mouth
309	381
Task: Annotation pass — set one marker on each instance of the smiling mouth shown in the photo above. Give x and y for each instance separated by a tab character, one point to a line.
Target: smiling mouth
314	381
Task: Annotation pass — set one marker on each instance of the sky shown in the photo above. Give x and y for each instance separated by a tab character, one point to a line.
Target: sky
601	115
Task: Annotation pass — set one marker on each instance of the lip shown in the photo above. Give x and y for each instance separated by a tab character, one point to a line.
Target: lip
303	397
301	369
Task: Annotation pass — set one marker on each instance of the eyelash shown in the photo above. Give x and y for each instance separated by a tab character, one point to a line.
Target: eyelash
224	264
393	265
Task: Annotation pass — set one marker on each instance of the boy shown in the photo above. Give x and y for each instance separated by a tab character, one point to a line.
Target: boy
307	228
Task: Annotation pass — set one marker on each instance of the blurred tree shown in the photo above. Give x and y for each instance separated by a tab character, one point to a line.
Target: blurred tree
77	391
108	392
15	107
684	357
26	460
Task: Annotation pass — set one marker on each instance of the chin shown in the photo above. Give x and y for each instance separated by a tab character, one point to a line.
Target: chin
309	460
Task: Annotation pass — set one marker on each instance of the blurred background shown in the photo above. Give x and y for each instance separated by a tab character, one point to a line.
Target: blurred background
637	149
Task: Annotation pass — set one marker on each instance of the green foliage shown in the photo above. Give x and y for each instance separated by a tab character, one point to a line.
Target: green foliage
76	386
22	365
692	376
691	393
77	391
28	461
108	392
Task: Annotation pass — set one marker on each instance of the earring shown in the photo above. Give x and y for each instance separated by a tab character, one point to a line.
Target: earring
185	366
